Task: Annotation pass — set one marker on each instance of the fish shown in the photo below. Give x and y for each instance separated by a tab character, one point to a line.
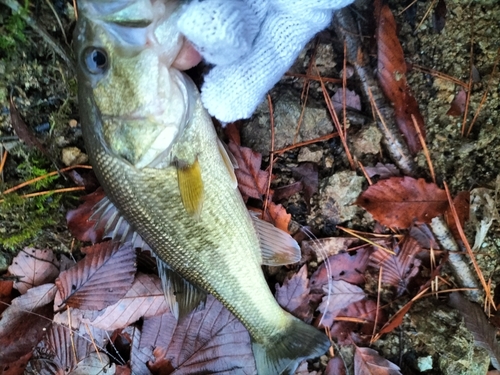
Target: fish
169	181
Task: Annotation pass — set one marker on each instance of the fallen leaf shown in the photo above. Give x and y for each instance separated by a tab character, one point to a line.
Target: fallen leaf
477	323
252	181
276	214
5	294
34	267
439	16
61	351
100	279
399	269
23	131
349	267
144	299
368	362
294	295
79	223
391	71
352	100
399	202
341	295
335	366
396	320
457	106
27	317
16	368
355	323
462	207
383	171
325	247
308	175
211	341
285	192
140	355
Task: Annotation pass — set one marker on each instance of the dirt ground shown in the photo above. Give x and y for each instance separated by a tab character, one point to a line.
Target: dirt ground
432	338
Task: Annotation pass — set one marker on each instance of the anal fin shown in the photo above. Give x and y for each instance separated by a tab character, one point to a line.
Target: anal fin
182	297
278	247
190	187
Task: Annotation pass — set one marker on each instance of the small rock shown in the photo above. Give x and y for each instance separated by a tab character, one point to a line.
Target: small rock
256	134
305	154
337	195
366	141
73	156
425	363
73	123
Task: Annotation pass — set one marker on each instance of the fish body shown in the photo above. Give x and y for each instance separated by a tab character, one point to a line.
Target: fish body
156	154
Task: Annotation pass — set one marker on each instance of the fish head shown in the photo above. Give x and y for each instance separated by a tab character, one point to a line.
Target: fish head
125	50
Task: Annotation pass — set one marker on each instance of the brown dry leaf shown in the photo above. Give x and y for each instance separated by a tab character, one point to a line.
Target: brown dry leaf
252	181
16	368
5	294
368	362
383	171
462	206
477	323
276	214
457	106
78	221
352	100
100	279
34	267
294	296
397	319
341	295
23	131
308	175
399	202
399	269
392	78
27	317
285	192
61	350
144	299
211	341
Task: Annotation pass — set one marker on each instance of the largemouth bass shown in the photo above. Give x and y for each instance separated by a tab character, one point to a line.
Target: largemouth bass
169	181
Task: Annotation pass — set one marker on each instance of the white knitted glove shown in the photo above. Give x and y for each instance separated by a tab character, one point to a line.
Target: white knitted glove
252	43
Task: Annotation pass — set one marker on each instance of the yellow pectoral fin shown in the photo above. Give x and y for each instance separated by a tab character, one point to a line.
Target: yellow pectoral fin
191	187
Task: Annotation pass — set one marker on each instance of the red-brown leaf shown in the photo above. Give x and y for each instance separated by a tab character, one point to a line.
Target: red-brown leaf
399	202
34	267
276	214
27	317
294	295
392	78
100	279
368	362
144	299
462	206
5	294
78	221
252	181
399	269
457	106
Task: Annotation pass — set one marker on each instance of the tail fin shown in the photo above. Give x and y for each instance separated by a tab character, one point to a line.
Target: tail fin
283	354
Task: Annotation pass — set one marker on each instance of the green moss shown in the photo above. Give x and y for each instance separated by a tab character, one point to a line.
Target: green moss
12	30
22	220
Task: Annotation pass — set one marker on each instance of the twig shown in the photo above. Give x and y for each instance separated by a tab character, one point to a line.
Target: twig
354	234
306	143
47	192
314	78
345	28
425	149
471	69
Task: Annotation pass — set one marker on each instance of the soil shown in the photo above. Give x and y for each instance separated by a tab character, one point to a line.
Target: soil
432	338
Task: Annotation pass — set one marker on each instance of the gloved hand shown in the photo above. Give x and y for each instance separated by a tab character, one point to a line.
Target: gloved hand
252	43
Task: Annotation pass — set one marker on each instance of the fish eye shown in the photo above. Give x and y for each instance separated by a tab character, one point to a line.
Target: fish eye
96	60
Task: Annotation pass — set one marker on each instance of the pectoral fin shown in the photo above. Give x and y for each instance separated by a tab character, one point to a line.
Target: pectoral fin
190	187
278	247
182	297
114	226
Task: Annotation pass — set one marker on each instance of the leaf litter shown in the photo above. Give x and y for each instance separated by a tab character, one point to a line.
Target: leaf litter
138	319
